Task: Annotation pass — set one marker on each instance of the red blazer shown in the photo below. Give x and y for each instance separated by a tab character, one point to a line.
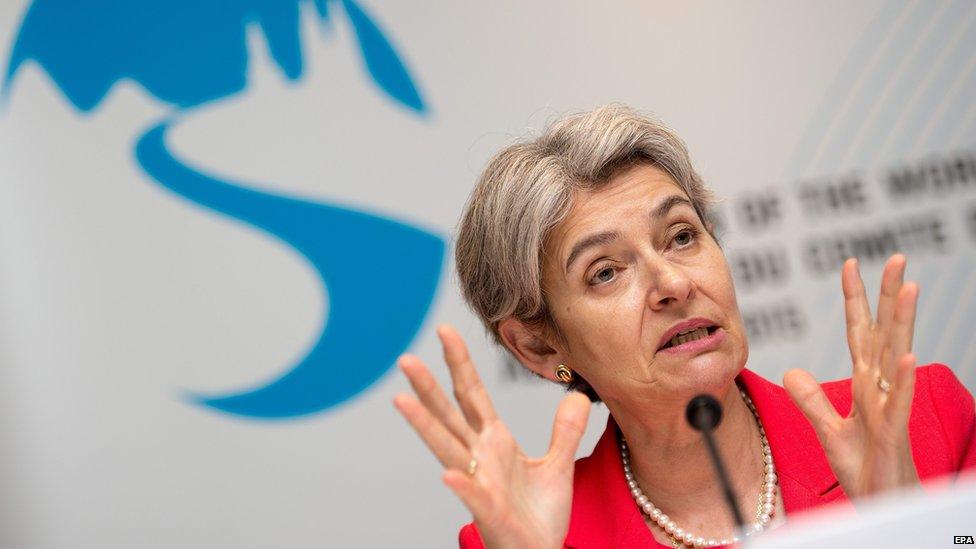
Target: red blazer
941	429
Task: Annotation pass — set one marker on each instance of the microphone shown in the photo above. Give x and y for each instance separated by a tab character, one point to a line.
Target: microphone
704	413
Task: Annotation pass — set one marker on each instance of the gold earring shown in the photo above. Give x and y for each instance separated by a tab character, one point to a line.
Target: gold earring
564	374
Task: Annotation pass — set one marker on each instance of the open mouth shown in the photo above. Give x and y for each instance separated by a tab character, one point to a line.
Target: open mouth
693	334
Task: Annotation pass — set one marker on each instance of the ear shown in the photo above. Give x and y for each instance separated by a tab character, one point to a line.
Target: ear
529	348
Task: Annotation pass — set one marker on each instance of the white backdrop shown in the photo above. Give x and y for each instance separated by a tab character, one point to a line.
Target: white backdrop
826	128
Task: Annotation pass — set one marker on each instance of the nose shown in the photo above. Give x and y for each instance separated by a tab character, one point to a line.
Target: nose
670	285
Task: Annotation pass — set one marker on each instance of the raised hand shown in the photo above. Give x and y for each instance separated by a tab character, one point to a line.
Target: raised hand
869	450
517	501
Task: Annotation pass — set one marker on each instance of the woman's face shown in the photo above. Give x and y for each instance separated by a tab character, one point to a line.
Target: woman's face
630	268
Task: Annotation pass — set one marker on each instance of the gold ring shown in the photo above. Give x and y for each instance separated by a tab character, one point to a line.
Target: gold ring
883	384
472	467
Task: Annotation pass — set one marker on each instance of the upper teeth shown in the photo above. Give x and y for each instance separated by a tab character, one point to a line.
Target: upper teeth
689	335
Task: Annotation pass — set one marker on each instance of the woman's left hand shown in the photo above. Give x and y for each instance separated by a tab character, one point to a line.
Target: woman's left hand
869	450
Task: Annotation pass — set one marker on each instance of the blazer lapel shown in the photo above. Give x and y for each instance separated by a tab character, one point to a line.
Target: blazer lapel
604	513
805	477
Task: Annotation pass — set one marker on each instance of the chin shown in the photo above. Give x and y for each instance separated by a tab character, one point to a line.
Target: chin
711	373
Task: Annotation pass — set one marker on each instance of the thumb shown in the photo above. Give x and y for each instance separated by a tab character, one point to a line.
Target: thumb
569	426
811	400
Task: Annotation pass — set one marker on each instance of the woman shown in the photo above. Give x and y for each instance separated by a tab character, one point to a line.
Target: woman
588	254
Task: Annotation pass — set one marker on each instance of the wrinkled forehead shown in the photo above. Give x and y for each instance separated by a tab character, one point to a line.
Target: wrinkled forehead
636	191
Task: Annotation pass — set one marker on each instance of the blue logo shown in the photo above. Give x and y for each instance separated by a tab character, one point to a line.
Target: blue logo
188	53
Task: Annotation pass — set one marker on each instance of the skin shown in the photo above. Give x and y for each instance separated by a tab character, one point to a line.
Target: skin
612	307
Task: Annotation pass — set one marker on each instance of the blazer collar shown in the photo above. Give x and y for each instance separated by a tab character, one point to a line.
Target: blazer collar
604	513
806	479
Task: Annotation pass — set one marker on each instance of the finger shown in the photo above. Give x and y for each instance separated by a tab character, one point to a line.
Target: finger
441	442
475	498
435	400
898	407
811	400
903	325
569	426
891	284
858	314
468	389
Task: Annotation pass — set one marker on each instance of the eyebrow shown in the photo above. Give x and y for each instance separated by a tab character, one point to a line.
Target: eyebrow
600	239
593	240
668	204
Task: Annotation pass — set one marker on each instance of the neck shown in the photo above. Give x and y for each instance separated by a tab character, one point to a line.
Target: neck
671	461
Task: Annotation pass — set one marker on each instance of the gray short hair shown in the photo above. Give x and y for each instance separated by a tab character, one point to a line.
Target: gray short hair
527	190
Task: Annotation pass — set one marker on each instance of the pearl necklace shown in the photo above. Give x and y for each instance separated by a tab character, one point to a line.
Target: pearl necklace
764	508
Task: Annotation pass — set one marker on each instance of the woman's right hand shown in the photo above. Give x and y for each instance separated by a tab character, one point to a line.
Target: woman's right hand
516	500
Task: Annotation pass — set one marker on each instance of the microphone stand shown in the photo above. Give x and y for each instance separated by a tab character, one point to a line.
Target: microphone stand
704	413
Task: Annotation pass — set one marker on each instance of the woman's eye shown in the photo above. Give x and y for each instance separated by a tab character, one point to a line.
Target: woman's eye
605	274
684	238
